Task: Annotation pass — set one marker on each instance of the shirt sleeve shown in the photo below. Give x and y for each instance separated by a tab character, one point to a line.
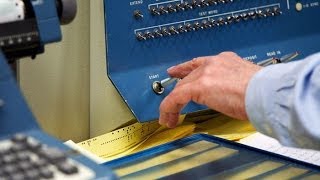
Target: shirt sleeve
283	101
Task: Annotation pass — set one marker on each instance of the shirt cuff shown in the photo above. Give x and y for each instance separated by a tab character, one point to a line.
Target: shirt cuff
268	98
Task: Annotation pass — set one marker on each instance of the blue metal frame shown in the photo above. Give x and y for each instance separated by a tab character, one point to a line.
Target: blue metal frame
246	155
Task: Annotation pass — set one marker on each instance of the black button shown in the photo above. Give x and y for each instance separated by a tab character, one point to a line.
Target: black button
32	174
8	159
40	163
10	169
17	176
19	138
33	144
25	165
54	155
67	168
46	173
23	156
18	147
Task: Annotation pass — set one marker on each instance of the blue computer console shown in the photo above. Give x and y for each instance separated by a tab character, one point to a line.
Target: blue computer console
145	37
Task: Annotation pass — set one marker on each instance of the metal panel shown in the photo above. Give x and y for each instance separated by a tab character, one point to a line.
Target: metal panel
133	64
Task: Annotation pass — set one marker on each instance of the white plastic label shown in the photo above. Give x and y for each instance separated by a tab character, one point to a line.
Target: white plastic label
11	10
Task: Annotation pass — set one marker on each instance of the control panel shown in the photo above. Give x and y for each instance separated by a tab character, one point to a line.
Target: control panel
145	37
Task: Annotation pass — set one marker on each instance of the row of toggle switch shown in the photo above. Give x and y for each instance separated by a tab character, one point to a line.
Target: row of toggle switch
185	5
207	23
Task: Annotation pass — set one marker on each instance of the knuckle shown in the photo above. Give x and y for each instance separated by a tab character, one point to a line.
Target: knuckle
228	53
194	62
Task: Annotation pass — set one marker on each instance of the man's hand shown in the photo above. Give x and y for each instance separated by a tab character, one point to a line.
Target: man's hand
219	82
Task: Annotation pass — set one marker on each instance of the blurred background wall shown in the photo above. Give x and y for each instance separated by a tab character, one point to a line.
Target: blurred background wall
67	87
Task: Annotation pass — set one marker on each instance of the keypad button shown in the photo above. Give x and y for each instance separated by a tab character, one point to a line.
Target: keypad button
46	173
19	138
25	165
17	176
32	174
54	155
67	168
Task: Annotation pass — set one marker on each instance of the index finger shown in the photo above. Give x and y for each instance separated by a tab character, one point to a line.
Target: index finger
183	69
172	105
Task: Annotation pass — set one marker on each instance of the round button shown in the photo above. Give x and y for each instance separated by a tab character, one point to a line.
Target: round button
299	7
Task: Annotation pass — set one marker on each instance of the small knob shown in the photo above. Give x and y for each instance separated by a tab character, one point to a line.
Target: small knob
165	32
260	14
204	3
181	29
189	27
221	21
229	19
244	16
149	35
195	4
206	24
173	30
187	5
212	2
213	22
154	11
268	12
157	33
67	10
140	36
180	7
252	14
137	14
197	26
163	10
171	8
237	18
277	11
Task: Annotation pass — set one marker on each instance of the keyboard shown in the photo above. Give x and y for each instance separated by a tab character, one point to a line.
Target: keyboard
25	157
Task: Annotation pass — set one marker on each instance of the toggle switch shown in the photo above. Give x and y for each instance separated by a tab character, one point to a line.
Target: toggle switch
195	4
204	3
171	8
137	14
197	26
206	24
212	2
173	30
188	6
140	36
237	18
252	14
221	21
165	32
189	27
163	10
277	11
244	16
154	11
149	35
260	14
157	33
182	29
180	7
159	86
229	19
